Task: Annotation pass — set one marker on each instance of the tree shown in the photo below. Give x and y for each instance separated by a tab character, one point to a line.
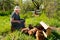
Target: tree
50	7
37	3
6	5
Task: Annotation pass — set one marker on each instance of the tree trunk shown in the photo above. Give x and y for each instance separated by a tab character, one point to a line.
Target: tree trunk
3	7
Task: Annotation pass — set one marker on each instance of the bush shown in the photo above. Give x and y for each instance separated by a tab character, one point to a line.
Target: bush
5	13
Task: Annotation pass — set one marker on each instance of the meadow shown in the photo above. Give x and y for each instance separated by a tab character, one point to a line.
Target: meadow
5	27
49	12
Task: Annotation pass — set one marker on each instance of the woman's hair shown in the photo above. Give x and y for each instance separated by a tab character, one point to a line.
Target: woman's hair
16	8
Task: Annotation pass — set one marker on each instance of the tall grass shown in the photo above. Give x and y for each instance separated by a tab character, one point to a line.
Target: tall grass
5	27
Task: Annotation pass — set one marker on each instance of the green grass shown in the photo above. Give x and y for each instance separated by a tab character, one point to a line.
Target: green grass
18	35
5	27
4	24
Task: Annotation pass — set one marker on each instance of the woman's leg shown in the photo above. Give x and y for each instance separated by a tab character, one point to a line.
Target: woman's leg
12	29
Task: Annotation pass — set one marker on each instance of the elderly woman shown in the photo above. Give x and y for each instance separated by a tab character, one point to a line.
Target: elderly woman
16	22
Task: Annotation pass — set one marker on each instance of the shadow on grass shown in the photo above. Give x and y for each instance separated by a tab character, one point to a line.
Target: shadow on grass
54	36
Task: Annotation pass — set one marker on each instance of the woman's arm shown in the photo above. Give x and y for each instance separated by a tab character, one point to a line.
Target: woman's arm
12	20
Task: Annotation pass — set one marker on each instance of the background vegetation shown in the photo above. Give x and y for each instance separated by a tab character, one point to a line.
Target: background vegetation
49	12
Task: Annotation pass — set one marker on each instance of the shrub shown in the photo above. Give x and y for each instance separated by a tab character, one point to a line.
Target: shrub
5	13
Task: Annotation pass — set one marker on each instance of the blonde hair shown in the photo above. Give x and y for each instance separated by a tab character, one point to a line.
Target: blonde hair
17	8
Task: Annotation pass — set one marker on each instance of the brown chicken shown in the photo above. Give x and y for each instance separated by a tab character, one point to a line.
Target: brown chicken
32	31
25	30
39	35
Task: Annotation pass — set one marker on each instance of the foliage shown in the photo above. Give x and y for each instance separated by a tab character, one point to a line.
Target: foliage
37	3
27	6
6	5
5	13
17	35
4	24
34	20
50	15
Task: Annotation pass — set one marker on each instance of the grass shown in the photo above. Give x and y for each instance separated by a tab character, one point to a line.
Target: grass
17	35
5	33
4	24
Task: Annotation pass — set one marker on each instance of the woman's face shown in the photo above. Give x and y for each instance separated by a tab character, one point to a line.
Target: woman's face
17	11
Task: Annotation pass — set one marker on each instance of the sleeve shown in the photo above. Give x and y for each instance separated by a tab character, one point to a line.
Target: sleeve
13	15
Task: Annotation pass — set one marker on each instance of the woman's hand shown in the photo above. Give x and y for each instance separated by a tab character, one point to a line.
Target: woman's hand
18	21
